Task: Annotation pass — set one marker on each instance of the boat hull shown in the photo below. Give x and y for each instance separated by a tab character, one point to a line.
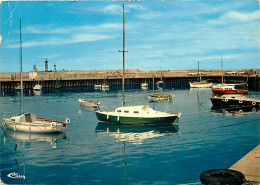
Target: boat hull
233	102
102	116
34	127
225	91
200	85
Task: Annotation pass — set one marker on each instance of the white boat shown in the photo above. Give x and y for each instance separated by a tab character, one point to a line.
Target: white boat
105	87
144	84
89	103
37	87
97	87
27	122
199	83
142	114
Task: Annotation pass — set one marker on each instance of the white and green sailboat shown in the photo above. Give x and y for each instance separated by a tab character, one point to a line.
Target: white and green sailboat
142	114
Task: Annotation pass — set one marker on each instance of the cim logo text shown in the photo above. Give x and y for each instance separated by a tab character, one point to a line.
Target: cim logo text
15	176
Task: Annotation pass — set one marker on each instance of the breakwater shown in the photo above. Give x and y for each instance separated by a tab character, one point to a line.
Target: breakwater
75	79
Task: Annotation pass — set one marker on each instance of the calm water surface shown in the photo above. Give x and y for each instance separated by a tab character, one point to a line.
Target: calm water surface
91	152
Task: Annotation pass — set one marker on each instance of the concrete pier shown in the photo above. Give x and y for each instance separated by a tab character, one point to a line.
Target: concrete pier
249	165
89	78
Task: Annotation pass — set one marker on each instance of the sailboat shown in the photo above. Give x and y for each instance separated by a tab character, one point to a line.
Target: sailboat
159	97
27	122
228	88
200	83
142	114
37	87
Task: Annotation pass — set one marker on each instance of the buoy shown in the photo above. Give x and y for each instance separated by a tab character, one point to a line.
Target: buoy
53	125
67	121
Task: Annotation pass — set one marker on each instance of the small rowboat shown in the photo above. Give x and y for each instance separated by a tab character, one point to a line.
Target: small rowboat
89	103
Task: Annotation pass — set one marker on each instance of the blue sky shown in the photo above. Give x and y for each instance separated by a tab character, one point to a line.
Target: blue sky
169	34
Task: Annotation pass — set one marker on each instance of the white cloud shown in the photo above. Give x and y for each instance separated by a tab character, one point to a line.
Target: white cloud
77	38
114	9
242	16
0	39
52	29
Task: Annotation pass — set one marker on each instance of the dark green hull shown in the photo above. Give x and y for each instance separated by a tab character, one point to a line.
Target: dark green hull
135	120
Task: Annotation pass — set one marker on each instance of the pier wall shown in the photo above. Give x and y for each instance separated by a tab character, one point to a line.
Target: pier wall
68	79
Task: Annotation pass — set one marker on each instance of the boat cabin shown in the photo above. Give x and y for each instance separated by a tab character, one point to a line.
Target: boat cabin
133	109
24	118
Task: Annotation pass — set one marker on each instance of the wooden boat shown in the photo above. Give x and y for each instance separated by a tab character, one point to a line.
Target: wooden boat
27	122
89	103
234	100
134	114
199	83
137	115
230	89
160	97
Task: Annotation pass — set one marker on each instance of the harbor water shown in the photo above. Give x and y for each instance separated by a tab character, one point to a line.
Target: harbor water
93	152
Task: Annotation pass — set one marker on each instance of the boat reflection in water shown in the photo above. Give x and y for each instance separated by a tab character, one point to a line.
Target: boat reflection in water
86	109
235	111
51	138
135	134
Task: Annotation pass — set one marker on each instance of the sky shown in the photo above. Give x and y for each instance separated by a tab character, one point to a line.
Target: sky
159	34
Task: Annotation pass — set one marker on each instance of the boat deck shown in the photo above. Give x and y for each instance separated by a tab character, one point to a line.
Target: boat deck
249	165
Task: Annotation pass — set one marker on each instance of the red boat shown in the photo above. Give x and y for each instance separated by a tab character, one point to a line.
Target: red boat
229	89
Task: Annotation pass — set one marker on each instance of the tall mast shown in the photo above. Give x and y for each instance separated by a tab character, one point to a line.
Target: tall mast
198	71
21	69
222	76
123	79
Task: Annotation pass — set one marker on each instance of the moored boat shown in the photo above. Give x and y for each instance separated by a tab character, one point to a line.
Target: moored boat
137	115
27	122
160	97
134	114
37	87
234	100
230	89
89	103
201	84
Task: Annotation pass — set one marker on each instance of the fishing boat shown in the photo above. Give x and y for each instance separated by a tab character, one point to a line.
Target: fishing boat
27	122
89	103
234	100
199	83
142	114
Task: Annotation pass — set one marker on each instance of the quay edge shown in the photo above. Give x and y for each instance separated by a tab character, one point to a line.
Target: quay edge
181	78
